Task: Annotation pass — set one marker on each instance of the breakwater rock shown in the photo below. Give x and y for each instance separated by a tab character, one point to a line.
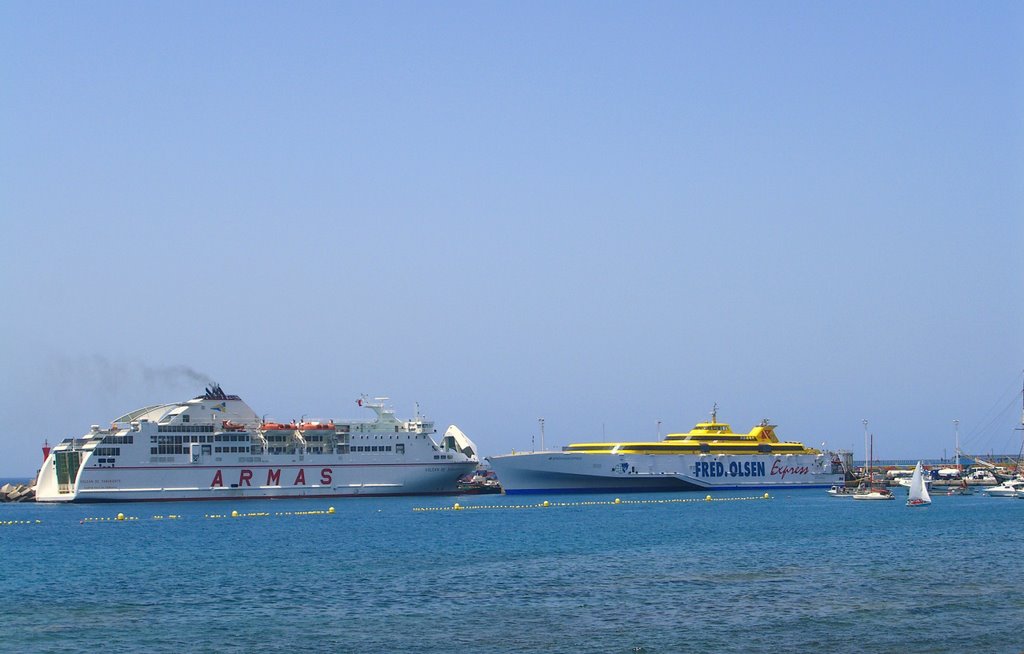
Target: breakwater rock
17	493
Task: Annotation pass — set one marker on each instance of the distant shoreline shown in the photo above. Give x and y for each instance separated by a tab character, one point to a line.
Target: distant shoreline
27	479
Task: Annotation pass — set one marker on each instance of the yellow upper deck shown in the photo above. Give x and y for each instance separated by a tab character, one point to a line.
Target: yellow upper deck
706	438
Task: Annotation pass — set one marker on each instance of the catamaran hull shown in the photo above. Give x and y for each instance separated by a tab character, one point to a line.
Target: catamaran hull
566	472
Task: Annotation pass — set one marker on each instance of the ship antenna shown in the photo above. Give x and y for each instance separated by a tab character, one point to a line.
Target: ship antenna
714	413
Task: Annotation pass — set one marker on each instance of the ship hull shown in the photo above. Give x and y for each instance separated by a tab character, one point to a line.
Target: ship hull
567	472
257	481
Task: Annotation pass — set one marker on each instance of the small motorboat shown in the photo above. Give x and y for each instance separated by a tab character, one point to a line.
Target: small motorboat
1006	489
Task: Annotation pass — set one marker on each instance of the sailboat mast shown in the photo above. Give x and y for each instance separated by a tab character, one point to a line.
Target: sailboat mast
1020	455
956	443
871	458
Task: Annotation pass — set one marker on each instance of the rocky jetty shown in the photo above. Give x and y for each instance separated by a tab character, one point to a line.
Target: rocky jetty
17	493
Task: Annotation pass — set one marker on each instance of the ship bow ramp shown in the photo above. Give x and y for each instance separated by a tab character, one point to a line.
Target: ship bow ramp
455	439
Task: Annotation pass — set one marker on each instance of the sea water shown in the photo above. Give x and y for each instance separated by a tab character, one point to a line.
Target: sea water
799	572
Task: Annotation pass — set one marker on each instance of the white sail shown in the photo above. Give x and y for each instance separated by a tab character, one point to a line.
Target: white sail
918	491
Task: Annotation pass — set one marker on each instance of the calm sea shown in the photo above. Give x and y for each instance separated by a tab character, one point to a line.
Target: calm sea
800	572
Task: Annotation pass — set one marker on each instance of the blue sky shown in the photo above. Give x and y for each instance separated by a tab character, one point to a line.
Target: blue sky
605	214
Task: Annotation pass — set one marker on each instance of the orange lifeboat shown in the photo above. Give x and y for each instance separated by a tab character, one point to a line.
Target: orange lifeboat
317	426
273	426
227	425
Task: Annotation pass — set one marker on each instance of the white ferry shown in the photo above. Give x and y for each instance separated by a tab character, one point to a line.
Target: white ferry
709	457
215	447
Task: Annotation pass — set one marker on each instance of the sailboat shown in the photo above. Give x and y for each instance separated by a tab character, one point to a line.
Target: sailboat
918	495
870	492
1012	485
1009	483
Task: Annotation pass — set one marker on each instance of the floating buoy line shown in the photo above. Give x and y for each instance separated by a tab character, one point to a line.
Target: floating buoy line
120	517
547	504
236	514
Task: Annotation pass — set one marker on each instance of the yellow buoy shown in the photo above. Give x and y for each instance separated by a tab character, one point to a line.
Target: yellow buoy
766	496
707	499
234	514
546	503
456	507
618	501
120	516
330	509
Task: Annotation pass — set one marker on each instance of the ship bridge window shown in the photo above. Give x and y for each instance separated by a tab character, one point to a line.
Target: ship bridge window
119	440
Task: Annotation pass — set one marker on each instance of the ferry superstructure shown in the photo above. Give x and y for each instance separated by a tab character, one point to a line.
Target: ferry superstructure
710	456
215	446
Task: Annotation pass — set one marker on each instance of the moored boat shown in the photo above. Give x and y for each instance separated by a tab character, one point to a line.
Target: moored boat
1008	488
870	492
840	491
215	447
710	456
873	494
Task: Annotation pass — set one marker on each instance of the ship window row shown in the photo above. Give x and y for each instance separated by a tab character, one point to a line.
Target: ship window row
177	440
231	438
107	451
167	449
389	436
231	449
371	448
190	429
103	461
119	440
443	456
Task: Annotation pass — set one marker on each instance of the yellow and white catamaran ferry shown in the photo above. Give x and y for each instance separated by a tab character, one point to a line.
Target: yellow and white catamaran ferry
215	447
710	456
